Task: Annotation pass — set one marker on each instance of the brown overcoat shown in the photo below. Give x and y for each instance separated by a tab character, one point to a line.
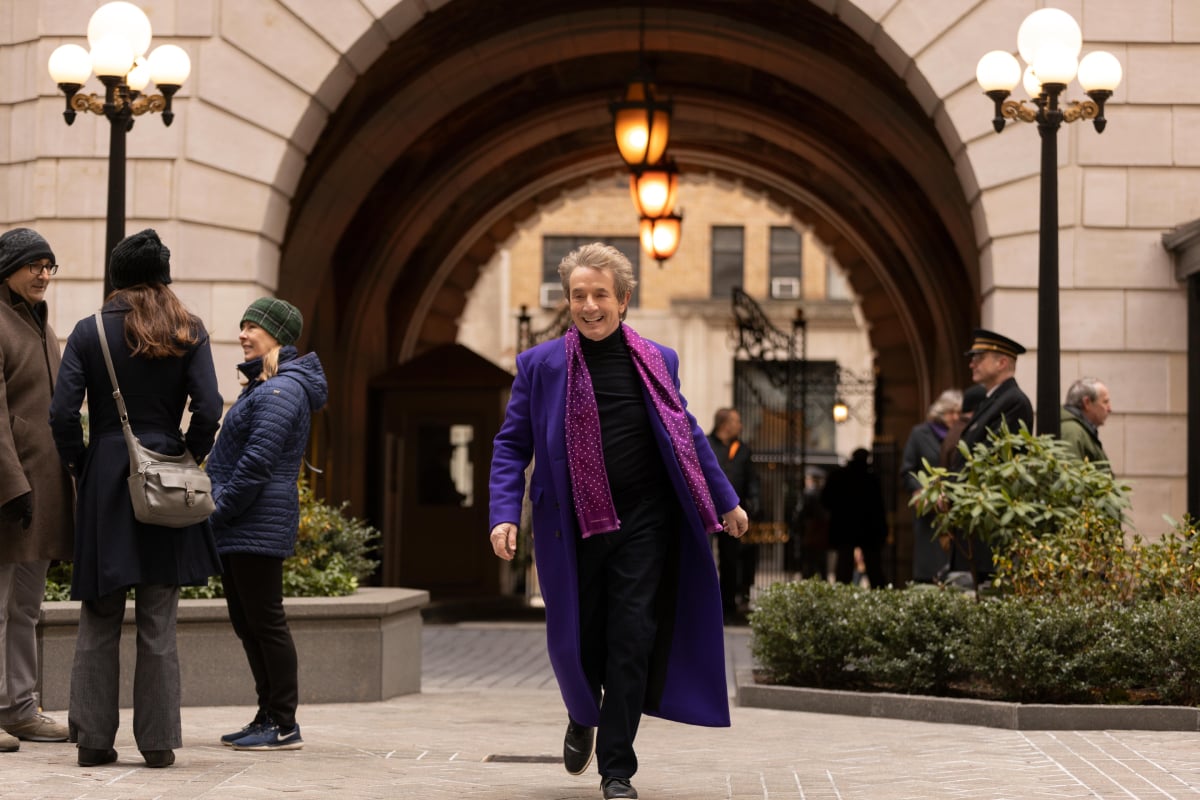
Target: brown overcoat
29	356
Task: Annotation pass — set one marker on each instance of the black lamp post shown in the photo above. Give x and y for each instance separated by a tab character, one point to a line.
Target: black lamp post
119	34
1049	40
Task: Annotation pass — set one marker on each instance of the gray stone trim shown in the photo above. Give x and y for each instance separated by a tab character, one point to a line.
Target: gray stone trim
986	713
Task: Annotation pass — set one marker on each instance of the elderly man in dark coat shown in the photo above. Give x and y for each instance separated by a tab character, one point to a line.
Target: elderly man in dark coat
36	496
625	490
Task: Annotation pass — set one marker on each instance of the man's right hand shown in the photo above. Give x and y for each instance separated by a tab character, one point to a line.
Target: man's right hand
19	509
504	540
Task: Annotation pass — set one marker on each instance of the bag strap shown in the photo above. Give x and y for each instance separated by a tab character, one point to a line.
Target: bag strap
130	439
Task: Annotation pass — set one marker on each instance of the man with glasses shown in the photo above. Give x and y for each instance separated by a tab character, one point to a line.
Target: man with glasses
36	494
993	362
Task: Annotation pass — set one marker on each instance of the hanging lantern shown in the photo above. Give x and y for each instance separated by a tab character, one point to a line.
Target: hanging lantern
660	237
641	123
653	189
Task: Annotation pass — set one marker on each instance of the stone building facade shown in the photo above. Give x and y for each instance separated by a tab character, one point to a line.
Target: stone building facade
367	159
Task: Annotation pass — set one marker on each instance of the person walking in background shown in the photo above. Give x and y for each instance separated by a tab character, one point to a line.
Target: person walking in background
36	494
993	362
931	560
625	490
162	357
853	496
736	558
254	468
1086	409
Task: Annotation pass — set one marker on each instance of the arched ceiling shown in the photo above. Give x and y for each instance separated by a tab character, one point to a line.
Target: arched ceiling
476	117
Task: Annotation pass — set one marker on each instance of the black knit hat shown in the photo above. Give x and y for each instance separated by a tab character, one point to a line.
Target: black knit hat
140	258
277	317
19	247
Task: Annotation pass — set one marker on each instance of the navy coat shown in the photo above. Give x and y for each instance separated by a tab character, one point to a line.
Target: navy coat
112	549
256	461
534	428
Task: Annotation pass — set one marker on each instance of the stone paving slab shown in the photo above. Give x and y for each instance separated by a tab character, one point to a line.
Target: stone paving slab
442	743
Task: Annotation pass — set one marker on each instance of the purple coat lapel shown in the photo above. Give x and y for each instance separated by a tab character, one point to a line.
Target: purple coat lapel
695	690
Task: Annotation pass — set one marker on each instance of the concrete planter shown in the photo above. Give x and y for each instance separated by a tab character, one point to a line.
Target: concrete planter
987	713
359	648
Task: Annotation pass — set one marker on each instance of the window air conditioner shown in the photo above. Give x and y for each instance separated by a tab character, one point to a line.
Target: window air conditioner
785	288
551	295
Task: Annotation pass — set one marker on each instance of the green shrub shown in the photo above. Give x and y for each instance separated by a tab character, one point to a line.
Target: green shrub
332	556
1167	637
1035	651
941	642
917	640
809	633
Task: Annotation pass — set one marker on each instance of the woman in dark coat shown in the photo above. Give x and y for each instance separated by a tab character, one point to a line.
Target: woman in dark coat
162	358
254	468
930	560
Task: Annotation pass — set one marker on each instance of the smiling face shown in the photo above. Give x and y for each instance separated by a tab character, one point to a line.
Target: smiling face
30	286
255	342
595	307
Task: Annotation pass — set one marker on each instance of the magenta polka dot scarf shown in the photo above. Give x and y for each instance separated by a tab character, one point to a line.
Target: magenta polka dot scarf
585	453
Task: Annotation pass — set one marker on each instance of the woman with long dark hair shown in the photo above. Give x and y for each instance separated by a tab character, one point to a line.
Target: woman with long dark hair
162	358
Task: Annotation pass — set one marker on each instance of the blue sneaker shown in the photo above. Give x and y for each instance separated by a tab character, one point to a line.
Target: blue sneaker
255	726
270	737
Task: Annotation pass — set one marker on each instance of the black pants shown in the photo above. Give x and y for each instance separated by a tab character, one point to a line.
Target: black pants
736	564
619	576
254	595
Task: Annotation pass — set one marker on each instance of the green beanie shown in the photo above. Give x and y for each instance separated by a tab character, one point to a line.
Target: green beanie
277	317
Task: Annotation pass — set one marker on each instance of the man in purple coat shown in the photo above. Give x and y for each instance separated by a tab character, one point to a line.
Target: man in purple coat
625	490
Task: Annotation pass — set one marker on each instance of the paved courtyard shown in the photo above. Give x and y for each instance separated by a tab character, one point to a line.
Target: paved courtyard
488	724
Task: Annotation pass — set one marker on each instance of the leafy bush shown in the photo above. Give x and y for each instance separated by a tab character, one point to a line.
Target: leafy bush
1034	651
809	633
1079	612
332	556
941	642
918	640
1018	486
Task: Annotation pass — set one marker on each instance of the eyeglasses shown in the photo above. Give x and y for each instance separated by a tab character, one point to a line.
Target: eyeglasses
37	269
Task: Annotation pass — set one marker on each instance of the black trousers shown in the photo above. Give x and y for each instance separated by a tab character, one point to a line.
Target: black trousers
737	562
254	595
619	576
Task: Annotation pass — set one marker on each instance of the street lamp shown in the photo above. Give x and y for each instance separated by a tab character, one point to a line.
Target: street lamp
1049	41
119	34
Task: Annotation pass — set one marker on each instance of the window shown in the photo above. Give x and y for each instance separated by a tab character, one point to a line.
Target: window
785	263
556	248
728	252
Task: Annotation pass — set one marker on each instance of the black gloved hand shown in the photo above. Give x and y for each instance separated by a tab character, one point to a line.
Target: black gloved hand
20	508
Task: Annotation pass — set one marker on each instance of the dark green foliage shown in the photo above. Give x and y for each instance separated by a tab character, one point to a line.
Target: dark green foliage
1035	651
917	640
808	633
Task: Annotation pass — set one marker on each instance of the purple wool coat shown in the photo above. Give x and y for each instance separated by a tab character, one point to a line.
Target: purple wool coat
695	690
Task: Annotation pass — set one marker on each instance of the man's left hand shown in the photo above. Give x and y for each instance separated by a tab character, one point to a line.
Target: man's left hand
736	522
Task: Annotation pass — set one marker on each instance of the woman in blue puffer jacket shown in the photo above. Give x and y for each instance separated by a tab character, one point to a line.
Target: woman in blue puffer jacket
254	467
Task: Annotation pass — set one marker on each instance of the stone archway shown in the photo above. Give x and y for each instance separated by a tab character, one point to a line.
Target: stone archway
460	131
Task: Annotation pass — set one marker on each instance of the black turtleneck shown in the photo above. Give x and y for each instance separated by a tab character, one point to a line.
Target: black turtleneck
631	456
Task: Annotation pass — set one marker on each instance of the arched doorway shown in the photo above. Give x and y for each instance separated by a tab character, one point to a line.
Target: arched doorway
468	123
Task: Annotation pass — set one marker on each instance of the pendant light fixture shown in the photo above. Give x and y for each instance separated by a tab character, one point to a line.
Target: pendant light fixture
642	117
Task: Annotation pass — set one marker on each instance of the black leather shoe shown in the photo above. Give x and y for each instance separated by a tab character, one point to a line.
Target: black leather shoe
617	787
89	757
159	758
578	746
